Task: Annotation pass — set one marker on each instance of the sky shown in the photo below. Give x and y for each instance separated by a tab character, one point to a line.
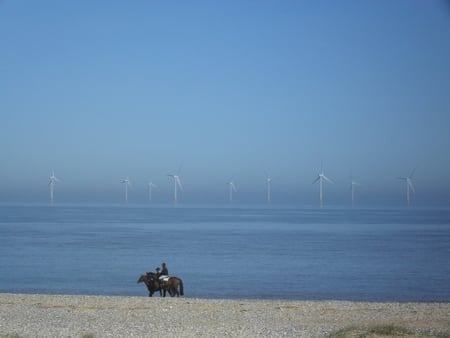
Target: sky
219	91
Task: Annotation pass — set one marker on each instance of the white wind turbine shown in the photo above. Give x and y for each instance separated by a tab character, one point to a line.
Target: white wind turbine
232	188
409	185
269	186
127	183
51	183
353	185
176	183
150	186
321	177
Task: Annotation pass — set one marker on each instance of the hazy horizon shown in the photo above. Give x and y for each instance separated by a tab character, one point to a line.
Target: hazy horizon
225	91
337	194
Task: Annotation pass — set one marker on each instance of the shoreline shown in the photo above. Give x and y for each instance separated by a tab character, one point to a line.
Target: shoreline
39	315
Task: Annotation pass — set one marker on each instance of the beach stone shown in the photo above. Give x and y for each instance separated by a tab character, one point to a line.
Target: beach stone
113	316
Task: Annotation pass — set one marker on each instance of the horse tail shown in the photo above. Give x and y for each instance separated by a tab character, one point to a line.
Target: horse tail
181	287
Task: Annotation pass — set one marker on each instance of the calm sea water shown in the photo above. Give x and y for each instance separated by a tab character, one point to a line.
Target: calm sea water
268	253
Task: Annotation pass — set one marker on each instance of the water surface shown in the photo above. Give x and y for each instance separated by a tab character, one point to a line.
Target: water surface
224	252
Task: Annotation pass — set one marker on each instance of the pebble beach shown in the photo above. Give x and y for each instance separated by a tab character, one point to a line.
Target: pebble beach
26	315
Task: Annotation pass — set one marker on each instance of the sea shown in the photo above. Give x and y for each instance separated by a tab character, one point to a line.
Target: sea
229	252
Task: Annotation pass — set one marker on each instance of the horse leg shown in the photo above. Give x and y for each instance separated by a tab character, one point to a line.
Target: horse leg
175	288
174	291
169	289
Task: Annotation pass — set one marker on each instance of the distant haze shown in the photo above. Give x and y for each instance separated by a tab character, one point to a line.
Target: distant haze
236	91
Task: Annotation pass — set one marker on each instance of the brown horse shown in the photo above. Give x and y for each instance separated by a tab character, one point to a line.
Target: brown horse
150	281
154	284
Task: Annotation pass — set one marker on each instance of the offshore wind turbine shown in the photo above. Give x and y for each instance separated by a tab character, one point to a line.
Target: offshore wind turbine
321	178
353	184
268	187
409	185
127	183
150	186
232	188
51	184
176	183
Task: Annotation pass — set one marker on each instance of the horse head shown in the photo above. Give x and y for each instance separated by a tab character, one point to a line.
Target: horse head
143	278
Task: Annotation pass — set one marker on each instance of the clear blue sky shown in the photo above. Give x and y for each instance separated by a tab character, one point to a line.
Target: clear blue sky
101	90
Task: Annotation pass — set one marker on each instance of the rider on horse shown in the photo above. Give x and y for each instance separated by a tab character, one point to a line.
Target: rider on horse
163	276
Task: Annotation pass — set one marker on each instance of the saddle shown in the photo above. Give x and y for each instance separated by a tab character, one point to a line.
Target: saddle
164	278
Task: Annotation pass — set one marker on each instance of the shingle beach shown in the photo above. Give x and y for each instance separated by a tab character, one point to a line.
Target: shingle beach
113	316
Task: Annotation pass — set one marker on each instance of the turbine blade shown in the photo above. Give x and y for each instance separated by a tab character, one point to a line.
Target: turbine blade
411	186
179	183
412	173
327	179
318	178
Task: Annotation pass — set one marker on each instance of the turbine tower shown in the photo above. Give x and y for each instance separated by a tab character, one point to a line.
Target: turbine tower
127	183
150	186
269	186
321	177
409	185
176	183
353	184
232	188
51	184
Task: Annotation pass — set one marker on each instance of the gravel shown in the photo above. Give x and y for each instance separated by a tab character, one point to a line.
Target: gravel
105	316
